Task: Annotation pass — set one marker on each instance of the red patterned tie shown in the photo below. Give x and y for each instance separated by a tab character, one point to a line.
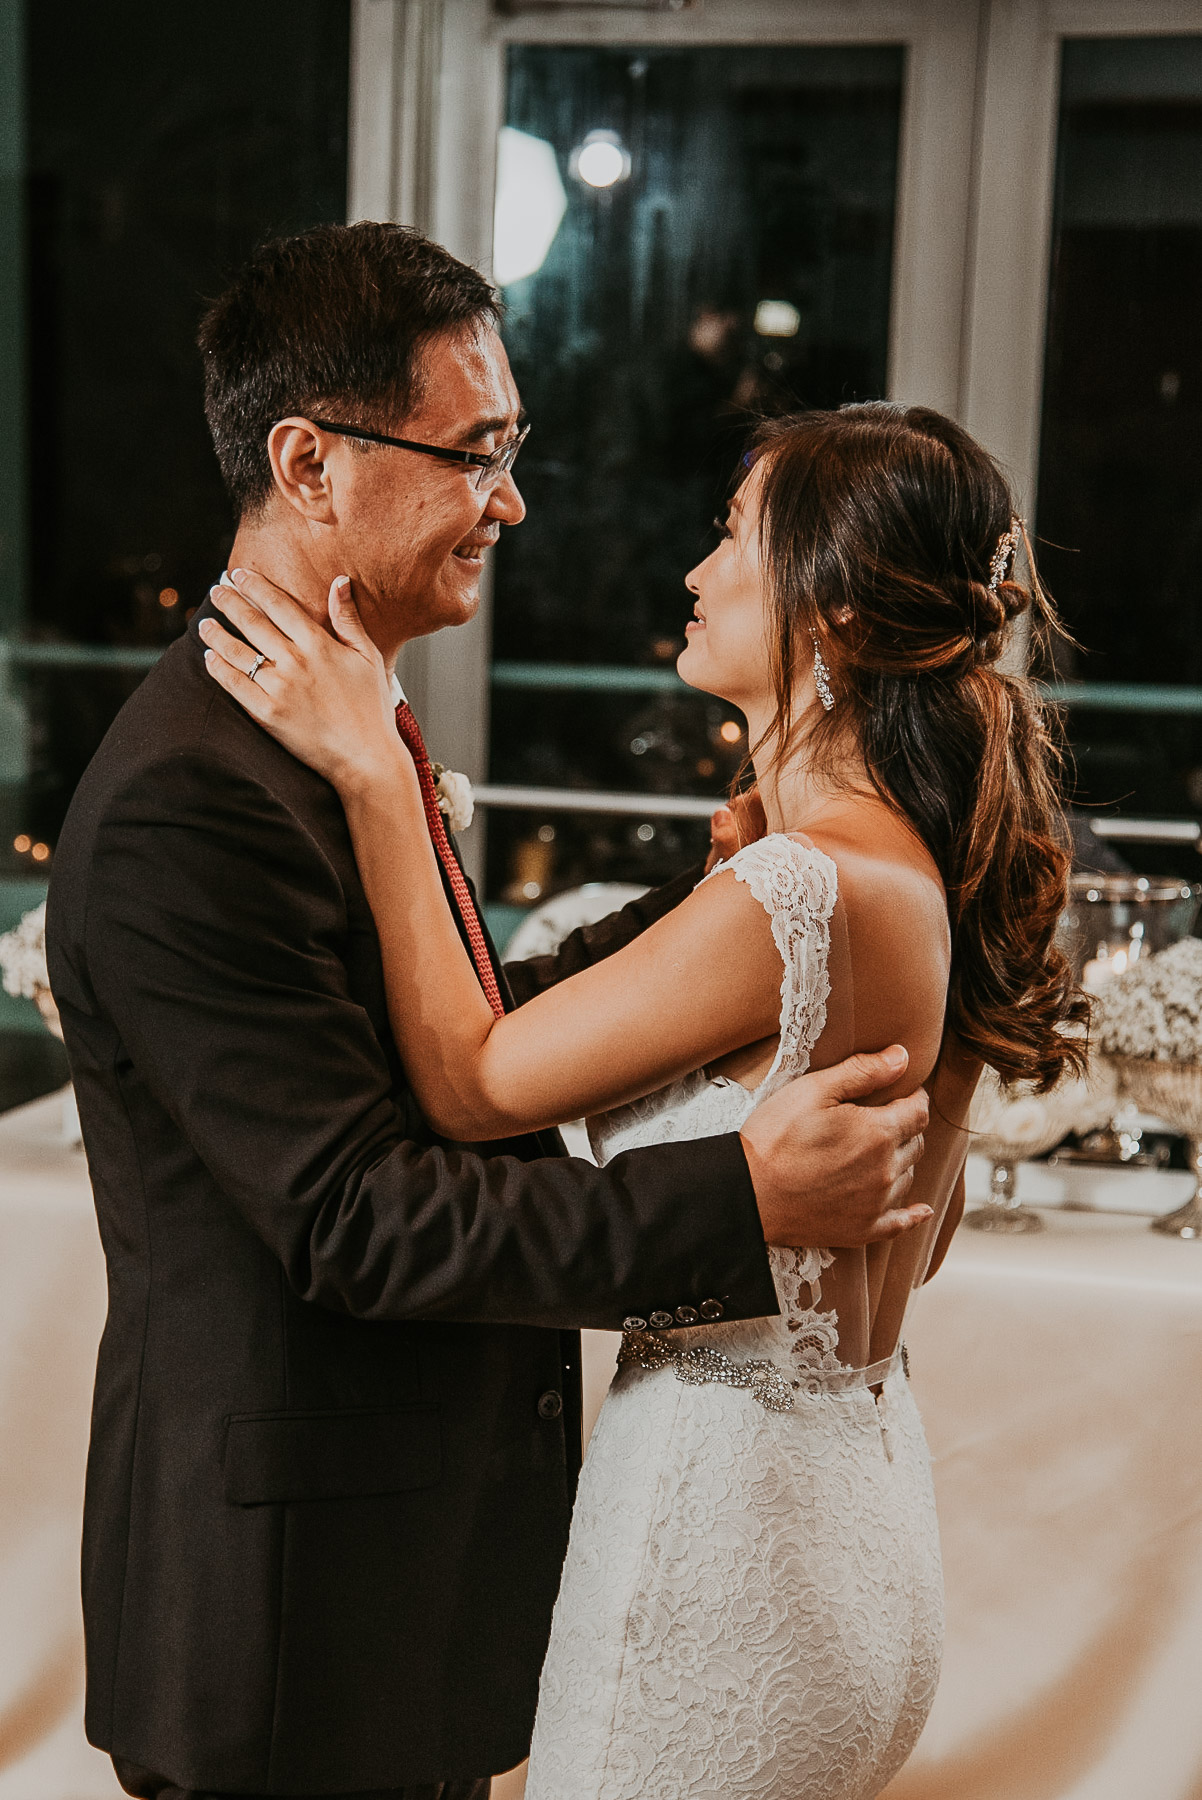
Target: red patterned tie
410	730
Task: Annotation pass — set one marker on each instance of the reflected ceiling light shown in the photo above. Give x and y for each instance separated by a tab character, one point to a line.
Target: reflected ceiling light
777	318
601	161
530	205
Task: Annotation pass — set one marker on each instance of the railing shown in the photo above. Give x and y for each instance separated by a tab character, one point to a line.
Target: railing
581	800
21	655
613	678
1082	696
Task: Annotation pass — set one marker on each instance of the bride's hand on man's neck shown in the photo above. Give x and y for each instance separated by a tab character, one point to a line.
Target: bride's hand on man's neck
304	570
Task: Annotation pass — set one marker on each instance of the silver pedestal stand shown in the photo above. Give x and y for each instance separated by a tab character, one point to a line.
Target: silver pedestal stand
1172	1092
1002	1211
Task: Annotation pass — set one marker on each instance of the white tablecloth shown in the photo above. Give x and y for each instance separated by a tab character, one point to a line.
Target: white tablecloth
1060	1377
52	1304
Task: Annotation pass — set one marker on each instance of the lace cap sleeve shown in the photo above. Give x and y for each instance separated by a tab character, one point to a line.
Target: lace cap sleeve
797	886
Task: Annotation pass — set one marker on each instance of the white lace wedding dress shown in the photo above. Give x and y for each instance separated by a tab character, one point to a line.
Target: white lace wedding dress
751	1605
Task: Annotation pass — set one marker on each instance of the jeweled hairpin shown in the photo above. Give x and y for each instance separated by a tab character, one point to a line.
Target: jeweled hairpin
1007	546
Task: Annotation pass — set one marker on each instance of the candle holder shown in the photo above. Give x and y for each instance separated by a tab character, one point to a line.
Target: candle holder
1112	921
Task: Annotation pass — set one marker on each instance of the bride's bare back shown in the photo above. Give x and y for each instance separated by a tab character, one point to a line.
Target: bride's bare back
889	962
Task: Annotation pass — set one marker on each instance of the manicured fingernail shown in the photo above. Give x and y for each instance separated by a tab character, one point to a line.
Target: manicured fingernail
237	576
209	655
205	626
343	584
215	595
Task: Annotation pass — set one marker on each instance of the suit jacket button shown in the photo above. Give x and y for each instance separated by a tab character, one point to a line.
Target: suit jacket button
550	1404
712	1309
634	1323
686	1315
661	1319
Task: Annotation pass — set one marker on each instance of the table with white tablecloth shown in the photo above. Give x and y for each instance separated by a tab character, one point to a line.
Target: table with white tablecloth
52	1303
1059	1376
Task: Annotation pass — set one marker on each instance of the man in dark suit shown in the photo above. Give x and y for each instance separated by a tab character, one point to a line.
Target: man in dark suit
337	1414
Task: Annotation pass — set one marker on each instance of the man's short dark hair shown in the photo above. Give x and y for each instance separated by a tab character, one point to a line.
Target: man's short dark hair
335	318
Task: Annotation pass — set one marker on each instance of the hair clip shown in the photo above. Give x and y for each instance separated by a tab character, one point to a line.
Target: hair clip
1007	546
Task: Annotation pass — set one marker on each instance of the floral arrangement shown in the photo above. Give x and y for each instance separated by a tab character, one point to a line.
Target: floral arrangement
1029	1123
1154	1009
23	956
454	797
23	965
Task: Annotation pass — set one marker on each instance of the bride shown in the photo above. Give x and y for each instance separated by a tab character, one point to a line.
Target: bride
751	1603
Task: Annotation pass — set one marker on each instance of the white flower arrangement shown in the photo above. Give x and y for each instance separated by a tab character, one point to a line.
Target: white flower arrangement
23	956
1154	1009
1027	1123
455	798
23	965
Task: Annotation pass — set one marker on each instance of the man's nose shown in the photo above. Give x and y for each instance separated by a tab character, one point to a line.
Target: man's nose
505	502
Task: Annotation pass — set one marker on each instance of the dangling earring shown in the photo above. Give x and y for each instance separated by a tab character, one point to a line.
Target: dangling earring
822	677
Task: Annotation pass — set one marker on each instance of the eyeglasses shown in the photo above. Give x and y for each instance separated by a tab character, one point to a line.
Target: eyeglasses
489	470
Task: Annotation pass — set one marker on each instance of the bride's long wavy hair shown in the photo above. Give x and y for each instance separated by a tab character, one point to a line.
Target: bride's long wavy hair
878	525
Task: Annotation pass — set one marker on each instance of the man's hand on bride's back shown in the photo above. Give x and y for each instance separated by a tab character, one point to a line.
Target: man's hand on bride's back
829	1171
324	694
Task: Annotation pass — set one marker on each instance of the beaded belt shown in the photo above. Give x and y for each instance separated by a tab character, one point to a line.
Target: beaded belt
766	1383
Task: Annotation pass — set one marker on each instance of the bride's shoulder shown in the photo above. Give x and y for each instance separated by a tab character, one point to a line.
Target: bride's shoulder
880	859
891	897
783	858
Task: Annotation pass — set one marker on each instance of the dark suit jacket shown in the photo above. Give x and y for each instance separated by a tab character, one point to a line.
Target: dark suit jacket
336	1422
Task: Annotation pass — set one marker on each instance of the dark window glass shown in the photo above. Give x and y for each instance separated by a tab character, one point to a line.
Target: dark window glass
161	143
1120	482
144	150
740	260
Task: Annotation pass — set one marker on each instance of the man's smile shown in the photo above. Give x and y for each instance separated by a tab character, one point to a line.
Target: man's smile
472	549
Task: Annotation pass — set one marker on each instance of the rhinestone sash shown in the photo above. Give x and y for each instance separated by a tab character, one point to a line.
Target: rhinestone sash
766	1383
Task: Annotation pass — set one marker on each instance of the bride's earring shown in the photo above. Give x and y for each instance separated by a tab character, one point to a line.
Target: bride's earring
822	677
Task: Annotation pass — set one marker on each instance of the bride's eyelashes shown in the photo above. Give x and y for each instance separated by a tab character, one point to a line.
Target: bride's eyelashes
722	528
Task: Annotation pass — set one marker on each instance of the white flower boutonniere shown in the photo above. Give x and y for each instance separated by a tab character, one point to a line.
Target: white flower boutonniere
454	797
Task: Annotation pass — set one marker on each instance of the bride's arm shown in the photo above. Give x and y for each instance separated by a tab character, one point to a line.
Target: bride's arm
700	982
696	984
730	828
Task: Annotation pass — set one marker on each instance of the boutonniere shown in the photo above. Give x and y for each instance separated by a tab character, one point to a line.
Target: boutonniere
455	800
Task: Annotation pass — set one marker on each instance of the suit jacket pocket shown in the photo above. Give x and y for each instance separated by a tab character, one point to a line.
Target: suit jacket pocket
278	1456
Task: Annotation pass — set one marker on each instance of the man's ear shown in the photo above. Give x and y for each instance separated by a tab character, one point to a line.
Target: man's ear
298	451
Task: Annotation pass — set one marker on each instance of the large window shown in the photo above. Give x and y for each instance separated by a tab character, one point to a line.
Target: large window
686	237
1120	478
146	150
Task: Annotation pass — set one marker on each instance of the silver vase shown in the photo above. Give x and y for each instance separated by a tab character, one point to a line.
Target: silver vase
1173	1092
1011	1124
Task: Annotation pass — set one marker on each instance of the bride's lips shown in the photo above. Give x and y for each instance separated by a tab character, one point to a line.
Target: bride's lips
695	624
